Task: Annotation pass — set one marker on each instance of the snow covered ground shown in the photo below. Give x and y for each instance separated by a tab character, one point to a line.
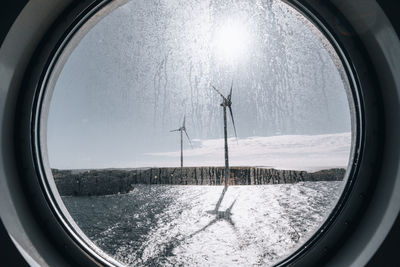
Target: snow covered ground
290	152
172	225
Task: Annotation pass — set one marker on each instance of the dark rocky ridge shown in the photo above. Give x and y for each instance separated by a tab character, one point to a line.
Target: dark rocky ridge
113	181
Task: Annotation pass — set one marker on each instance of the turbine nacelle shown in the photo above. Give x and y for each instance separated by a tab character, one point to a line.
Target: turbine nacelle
183	129
227	102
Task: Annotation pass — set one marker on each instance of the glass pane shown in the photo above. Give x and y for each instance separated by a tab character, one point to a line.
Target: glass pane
200	132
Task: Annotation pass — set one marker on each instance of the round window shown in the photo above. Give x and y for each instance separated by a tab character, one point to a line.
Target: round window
199	133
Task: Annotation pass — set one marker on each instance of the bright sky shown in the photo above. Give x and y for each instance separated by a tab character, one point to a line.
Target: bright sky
135	75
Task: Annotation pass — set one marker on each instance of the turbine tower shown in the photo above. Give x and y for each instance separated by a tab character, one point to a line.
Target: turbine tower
227	102
183	129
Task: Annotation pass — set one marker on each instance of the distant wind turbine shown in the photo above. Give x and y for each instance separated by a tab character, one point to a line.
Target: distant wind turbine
226	102
183	129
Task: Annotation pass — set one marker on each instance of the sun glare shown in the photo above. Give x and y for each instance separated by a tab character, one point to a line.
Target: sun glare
231	40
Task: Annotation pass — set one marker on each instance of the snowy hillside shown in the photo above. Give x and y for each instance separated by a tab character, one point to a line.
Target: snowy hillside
294	152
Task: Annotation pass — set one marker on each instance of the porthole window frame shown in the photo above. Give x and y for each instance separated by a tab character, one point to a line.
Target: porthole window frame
320	248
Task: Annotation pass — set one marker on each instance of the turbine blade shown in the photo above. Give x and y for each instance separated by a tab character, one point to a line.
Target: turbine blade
230	93
188	138
177	130
231	206
231	222
218	91
233	122
184	119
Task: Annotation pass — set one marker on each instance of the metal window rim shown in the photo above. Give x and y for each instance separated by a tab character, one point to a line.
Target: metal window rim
380	41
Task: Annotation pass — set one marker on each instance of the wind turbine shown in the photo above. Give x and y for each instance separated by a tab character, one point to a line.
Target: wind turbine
227	102
183	129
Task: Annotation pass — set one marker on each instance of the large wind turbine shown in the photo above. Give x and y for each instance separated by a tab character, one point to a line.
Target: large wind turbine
182	129
226	102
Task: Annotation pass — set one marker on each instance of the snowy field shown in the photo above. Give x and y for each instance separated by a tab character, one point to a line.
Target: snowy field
176	225
288	152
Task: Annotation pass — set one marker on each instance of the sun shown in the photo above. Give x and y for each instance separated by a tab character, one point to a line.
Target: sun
231	40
